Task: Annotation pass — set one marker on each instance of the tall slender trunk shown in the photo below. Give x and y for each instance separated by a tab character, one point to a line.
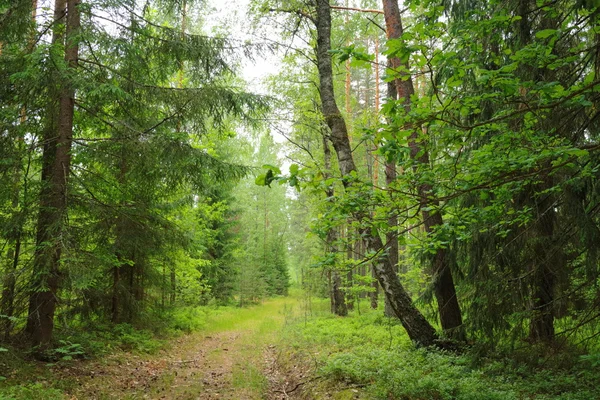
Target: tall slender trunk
417	327
18	206
391	236
541	326
338	298
173	286
53	196
10	275
122	266
374	294
443	282
337	294
116	297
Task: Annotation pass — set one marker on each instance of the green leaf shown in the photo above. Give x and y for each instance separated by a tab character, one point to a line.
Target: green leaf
543	34
275	170
260	180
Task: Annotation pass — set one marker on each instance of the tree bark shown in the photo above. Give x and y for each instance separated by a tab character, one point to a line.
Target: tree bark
115	299
53	196
391	236
375	290
173	288
541	328
338	298
443	282
417	327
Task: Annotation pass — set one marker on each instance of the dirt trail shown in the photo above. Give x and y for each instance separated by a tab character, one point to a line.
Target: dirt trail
238	363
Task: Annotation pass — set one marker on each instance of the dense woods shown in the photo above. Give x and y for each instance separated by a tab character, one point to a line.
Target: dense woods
436	160
119	166
489	125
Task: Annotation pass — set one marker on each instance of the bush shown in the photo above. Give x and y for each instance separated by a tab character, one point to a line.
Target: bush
140	340
189	319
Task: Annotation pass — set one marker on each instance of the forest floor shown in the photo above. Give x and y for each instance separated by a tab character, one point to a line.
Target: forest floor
293	348
235	357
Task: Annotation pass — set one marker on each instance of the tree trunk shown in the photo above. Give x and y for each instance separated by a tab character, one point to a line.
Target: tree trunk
417	327
173	290
14	252
541	326
375	290
443	283
338	298
115	300
350	284
391	236
53	196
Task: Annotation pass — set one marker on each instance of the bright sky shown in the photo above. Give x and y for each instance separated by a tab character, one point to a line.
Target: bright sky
232	16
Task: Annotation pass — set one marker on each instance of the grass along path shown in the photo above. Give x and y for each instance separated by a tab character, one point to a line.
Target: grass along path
226	360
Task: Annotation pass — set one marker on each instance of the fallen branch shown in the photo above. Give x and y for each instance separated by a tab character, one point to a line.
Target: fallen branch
285	392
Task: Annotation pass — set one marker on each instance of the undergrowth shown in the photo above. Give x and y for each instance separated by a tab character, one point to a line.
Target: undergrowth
372	352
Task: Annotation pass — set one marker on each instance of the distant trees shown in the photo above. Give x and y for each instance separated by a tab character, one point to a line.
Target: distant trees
262	259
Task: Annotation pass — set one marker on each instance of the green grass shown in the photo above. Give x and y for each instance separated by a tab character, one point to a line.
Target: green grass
248	376
38	391
373	353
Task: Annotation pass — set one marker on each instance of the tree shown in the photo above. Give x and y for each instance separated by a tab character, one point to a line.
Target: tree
55	178
443	282
413	321
508	109
263	229
126	155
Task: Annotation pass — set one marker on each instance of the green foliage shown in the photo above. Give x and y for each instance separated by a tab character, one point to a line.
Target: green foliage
189	319
139	340
373	352
66	350
102	339
358	57
262	260
153	162
31	391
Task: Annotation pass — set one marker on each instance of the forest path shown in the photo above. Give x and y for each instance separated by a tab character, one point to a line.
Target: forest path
234	358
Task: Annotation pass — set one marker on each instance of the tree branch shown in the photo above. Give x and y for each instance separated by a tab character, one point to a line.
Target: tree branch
364	10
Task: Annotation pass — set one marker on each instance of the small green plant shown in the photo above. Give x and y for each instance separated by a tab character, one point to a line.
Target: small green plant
67	351
140	340
189	319
593	360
